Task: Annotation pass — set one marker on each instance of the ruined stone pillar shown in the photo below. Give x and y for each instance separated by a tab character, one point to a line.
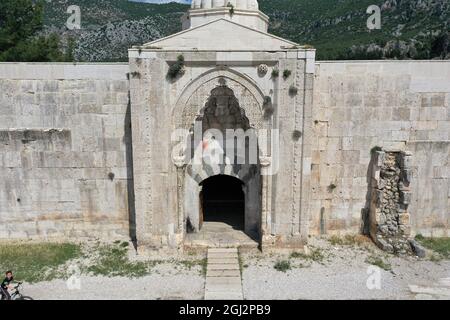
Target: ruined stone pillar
390	196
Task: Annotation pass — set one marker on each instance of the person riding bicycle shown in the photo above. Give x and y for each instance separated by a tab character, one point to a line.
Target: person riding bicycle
6	284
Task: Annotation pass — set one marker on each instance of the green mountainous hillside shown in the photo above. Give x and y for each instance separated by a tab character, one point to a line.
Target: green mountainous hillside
411	29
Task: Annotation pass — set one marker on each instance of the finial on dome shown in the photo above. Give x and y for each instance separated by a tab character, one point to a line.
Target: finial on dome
245	12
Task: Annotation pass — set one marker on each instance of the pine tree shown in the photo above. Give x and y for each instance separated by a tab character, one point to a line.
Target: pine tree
20	22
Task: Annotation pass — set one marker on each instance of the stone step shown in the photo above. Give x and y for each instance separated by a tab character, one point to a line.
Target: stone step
445	282
223	277
222	250
223	296
223	280
438	291
234	288
223	273
223	255
223	260
222	266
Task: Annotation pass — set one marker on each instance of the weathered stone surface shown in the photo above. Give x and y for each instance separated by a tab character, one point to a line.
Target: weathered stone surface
223	281
388	217
70	167
58	150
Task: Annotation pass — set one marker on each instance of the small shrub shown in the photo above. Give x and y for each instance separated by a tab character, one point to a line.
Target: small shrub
439	245
286	74
204	264
315	255
176	69
282	266
275	73
111	176
349	240
135	75
229	5
379	262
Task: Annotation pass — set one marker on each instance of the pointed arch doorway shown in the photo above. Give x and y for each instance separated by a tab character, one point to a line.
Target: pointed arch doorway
223	201
228	208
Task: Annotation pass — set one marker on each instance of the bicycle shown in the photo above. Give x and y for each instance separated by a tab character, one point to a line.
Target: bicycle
16	294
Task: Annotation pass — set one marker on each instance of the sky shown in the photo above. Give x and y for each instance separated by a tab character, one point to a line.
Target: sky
162	1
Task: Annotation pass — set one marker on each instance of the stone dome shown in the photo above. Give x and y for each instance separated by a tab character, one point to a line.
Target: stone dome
238	4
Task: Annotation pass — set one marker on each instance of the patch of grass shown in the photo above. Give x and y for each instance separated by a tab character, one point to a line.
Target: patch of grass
286	73
241	263
189	264
37	262
315	255
379	262
438	245
204	264
349	240
435	257
275	73
283	265
112	260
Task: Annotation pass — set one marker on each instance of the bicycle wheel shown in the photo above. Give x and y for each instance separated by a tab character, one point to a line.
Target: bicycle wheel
25	298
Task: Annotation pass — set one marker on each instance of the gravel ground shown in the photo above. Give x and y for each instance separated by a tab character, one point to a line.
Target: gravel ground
167	282
342	274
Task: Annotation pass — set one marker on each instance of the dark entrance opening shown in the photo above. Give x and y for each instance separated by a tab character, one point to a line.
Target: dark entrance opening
222	200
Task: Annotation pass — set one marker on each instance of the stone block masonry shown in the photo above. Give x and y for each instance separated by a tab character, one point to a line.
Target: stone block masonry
65	171
396	105
66	148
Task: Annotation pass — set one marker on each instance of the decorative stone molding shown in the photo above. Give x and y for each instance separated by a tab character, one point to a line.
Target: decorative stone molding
265	161
180	161
390	196
263	69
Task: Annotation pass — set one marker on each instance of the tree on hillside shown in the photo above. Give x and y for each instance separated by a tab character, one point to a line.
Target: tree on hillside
440	46
20	21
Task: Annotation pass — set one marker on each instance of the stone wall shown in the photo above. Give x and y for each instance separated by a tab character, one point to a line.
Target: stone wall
65	143
64	146
396	105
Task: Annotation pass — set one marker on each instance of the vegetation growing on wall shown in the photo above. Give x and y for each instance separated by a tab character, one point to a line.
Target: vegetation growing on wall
176	69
